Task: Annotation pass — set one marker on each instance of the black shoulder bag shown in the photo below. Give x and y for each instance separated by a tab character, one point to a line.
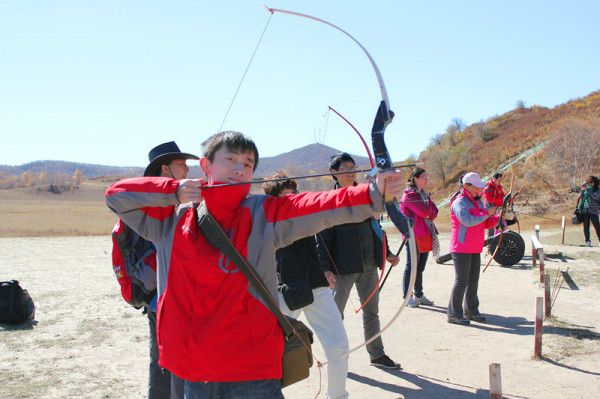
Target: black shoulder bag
297	354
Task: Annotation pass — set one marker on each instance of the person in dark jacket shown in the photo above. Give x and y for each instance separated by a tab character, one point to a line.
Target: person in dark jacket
166	160
354	251
305	287
588	205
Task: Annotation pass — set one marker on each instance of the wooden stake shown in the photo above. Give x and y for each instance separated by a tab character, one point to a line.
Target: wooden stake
495	381
541	256
547	296
537	231
563	226
539	326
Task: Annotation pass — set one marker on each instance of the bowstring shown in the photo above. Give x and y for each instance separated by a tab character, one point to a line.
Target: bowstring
245	72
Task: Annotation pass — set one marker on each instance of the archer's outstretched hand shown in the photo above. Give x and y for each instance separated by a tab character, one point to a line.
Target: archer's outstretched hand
389	184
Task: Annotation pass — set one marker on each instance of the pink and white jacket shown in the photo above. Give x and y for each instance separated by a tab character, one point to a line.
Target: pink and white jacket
469	220
412	206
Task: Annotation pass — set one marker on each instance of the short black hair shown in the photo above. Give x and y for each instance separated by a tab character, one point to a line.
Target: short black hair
497	175
232	141
337	160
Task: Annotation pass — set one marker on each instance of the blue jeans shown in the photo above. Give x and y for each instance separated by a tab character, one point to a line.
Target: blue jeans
259	389
421	262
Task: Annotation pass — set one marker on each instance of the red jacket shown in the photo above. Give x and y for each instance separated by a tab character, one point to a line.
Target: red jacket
211	325
412	206
493	194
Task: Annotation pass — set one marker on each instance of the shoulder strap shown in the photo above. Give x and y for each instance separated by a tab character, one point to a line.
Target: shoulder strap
216	237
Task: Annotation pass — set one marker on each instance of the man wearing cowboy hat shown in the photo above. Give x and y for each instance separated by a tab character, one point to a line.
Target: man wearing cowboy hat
166	160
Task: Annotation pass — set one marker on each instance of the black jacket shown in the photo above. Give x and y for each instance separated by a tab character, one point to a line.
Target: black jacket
354	248
299	260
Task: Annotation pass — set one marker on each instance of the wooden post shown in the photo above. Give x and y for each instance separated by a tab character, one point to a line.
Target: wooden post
495	381
541	256
547	296
537	253
537	231
563	226
539	326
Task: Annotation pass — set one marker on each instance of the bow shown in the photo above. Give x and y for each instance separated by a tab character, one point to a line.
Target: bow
381	279
362	139
383	161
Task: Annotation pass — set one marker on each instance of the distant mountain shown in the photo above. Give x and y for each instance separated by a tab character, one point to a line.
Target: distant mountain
308	159
68	168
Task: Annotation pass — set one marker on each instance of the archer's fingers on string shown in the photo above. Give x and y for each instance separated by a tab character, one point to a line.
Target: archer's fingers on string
189	190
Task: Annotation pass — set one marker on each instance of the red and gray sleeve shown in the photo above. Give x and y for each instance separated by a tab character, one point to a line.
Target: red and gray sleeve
145	204
296	216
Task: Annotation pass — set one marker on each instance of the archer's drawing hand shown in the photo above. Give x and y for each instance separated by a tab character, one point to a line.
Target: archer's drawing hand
189	190
389	184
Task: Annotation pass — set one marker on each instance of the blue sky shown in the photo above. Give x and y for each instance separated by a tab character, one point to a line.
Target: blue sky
103	82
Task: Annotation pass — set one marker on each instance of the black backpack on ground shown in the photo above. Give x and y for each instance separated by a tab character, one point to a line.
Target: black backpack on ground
16	306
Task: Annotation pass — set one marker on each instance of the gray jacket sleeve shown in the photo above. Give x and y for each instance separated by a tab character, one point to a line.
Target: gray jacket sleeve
147	205
313	212
461	210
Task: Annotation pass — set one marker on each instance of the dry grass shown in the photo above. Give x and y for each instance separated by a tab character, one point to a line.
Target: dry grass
28	212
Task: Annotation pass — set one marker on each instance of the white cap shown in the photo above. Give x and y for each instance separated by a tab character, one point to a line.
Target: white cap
473	179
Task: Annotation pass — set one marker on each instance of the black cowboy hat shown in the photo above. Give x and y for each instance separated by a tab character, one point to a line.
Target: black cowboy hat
163	154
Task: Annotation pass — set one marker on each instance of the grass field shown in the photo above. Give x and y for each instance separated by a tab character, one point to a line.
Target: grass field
32	212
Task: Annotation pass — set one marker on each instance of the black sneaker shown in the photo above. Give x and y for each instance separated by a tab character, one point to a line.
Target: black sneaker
461	321
476	317
385	362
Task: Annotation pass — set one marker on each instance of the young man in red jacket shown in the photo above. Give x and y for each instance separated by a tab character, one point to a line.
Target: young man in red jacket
213	330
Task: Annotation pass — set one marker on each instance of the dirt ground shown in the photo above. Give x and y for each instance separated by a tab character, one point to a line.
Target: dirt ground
87	342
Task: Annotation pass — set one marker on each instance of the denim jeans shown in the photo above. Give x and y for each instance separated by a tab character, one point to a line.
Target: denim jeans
258	389
587	218
421	262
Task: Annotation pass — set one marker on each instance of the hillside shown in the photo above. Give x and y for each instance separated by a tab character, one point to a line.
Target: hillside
550	179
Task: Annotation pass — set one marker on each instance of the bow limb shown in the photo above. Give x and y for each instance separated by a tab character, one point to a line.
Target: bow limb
384	162
377	73
371	160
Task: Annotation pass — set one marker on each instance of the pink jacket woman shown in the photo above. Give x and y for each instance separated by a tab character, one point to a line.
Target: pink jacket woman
469	219
413	206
